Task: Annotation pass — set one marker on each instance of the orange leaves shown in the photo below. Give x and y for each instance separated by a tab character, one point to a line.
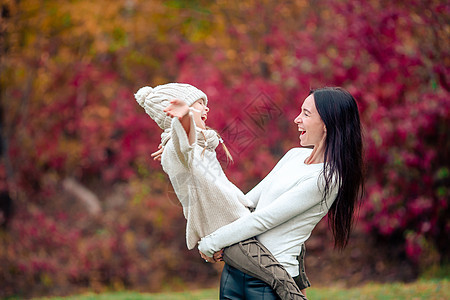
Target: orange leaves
69	70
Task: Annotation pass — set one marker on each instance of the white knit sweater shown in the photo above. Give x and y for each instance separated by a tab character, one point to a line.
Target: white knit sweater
288	207
209	199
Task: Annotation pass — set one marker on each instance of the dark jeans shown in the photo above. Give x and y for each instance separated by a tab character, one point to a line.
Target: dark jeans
236	285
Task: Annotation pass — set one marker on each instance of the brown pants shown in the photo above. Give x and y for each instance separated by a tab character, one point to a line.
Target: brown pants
252	258
302	280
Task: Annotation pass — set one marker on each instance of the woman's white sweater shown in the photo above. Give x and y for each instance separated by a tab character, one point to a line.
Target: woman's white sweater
288	207
209	199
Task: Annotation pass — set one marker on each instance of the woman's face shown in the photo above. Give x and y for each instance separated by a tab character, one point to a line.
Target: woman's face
311	127
200	112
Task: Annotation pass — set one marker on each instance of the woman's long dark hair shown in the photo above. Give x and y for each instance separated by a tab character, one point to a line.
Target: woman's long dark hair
343	158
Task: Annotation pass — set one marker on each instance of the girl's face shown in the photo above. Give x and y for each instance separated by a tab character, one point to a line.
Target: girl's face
310	124
200	112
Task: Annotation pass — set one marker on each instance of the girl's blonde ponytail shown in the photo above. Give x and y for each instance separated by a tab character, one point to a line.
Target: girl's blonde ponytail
227	152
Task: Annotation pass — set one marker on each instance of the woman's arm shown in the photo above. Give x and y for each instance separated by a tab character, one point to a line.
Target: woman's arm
254	194
289	205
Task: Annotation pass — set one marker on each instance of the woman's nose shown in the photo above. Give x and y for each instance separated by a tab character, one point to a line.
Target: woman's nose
206	108
297	120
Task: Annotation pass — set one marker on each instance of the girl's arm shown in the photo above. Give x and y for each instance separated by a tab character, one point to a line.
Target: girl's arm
184	135
179	109
289	205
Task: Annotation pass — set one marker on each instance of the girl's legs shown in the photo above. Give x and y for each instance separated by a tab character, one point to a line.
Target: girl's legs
302	280
252	258
236	285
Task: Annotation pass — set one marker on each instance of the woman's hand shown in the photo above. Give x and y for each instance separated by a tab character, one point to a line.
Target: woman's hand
218	256
177	108
206	258
157	155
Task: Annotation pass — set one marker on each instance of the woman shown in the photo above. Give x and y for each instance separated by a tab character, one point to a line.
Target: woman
302	188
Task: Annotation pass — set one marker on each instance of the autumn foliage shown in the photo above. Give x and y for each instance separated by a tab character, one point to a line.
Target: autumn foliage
68	74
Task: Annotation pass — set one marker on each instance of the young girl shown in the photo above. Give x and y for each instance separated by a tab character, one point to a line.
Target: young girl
209	199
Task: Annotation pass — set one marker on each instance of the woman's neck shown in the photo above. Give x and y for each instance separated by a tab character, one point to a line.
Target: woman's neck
314	158
317	155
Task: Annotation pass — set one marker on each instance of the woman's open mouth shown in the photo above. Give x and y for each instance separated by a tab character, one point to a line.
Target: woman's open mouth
204	118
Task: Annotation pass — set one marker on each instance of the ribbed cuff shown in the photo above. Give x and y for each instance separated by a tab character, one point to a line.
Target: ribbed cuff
205	245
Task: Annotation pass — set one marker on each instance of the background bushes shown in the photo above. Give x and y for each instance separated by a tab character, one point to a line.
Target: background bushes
68	74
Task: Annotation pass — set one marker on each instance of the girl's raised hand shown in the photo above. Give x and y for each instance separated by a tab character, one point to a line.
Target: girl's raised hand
177	108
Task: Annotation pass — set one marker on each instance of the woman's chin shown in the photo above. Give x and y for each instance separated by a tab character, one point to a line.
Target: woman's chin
303	144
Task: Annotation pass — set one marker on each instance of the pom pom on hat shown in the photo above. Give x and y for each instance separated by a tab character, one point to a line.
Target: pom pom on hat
142	93
155	100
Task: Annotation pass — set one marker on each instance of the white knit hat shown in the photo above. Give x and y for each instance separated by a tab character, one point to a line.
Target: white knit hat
155	100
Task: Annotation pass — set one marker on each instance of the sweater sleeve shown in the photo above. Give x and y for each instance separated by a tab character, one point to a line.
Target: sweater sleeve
254	194
290	204
184	150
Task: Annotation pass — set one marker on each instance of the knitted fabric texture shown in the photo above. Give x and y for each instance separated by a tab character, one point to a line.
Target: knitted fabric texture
208	198
155	100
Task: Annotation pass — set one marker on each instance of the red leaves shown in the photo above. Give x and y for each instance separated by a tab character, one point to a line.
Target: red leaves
69	111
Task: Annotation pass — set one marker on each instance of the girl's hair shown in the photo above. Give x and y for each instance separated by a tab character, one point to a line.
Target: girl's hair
224	147
343	158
